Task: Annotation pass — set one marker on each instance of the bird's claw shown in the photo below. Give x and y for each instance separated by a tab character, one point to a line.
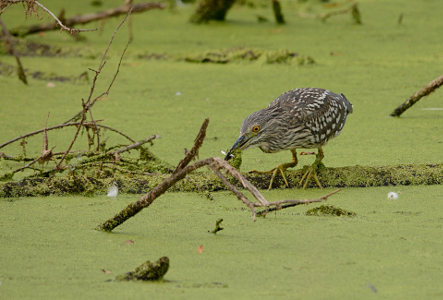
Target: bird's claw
274	173
310	173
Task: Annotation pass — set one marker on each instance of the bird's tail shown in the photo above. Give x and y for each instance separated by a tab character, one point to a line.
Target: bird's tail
348	104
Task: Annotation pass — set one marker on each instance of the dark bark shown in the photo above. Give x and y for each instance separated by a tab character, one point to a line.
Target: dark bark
432	86
87	18
9	43
276	7
211	10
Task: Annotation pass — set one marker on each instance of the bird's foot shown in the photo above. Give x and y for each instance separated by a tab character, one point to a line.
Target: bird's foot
281	168
311	172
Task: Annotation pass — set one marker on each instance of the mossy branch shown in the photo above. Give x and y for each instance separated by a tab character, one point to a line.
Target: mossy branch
429	88
140	182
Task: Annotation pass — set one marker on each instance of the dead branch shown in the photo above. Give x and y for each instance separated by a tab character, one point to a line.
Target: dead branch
340	177
9	44
292	203
87	18
85	124
136	145
428	89
276	8
353	9
31	3
215	164
197	144
90	102
180	172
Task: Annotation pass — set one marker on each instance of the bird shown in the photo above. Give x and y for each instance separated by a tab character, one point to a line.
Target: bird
300	118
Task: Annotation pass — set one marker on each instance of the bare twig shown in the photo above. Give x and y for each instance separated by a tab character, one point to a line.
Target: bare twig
292	203
58	22
90	102
353	9
197	144
9	43
429	88
85	124
135	145
178	174
87	18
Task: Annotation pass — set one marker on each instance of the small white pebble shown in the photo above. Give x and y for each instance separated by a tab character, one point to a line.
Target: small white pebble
392	195
113	191
178	93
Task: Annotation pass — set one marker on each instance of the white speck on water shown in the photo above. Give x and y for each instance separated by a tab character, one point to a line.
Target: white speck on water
113	190
178	93
433	108
392	195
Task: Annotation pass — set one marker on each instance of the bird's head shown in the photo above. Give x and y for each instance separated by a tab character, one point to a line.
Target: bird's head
254	132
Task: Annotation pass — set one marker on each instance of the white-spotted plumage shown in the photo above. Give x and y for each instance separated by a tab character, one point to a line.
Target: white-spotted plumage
300	118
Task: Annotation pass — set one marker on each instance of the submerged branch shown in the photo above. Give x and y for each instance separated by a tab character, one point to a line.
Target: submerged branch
58	24
87	18
9	43
429	88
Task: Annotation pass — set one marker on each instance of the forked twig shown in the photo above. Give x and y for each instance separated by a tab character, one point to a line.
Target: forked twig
85	124
90	102
32	2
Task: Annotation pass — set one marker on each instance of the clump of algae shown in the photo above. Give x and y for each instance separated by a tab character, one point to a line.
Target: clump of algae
329	210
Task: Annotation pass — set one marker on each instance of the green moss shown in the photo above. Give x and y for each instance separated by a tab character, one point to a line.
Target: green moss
147	271
329	210
281	56
205	181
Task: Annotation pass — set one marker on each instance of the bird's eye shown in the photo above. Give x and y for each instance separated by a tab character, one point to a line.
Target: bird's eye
255	128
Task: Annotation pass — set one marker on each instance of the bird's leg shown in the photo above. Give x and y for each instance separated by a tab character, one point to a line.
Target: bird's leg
282	168
311	172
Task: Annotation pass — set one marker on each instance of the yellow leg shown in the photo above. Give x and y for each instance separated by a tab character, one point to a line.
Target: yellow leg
281	168
311	172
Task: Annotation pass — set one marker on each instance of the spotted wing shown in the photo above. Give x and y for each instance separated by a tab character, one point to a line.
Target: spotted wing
320	111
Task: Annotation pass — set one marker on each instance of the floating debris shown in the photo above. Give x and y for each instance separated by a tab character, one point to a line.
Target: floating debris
217	227
392	196
147	271
113	191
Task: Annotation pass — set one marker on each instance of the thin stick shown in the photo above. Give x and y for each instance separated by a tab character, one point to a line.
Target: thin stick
135	145
87	18
85	124
88	104
291	203
234	189
180	172
197	144
428	89
62	26
9	41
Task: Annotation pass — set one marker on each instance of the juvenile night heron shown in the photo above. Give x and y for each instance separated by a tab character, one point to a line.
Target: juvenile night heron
301	118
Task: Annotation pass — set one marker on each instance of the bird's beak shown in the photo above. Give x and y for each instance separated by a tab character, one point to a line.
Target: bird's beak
239	144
